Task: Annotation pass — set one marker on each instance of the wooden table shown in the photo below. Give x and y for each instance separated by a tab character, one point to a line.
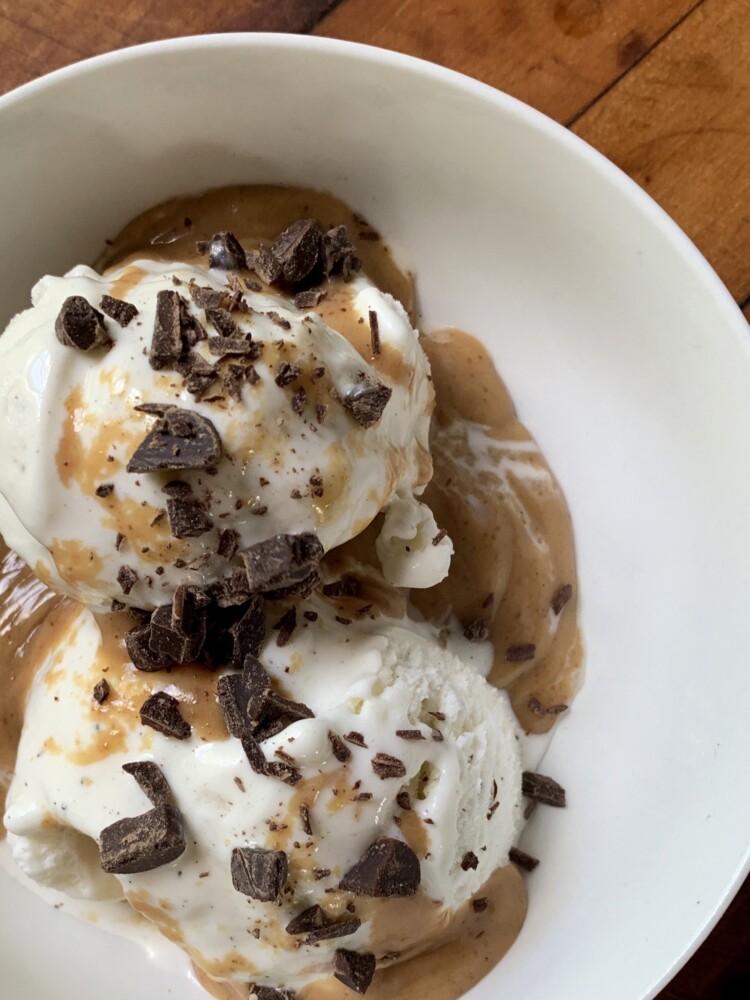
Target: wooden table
662	87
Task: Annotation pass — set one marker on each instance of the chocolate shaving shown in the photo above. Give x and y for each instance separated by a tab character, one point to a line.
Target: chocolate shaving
299	400
118	310
477	630
278	319
105	490
162	712
389	867
265	264
151	780
311	919
522	859
138	645
517	654
309	298
356	738
270	992
561	597
259	873
535	706
409	734
180	439
286	626
116	606
166	341
188	517
142	843
321	873
206	297
542	789
469	861
339	253
297	249
81	326
386	766
403	800
127	578
366	399
304	815
287	374
229	542
341	751
480	904
348	586
333	930
354	969
284	772
101	691
374	331
225	252
439	536
282	561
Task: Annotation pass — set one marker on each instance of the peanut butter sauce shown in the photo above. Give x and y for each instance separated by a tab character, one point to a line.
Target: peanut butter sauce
491	490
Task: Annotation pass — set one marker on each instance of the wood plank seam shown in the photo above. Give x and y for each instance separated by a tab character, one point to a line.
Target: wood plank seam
613	83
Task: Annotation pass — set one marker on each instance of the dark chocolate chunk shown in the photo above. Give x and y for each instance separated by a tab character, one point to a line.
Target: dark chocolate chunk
265	264
517	654
235	346
469	861
283	771
404	800
101	691
188	517
138	645
311	919
522	859
225	252
321	873
341	751
304	815
282	561
347	586
386	766
366	399
302	589
162	712
287	374
309	298
388	868
197	372
330	931
479	905
116	606
178	630
255	756
339	253
542	789
477	630
150	779
320	412
299	400
191	329
270	992
180	439
297	249
356	738
142	843
166	341
206	297
121	312
127	578
286	626
233	590
374	332
228	543
409	734
232	696
105	490
354	969
248	632
81	326
258	872
561	597
539	709
224	323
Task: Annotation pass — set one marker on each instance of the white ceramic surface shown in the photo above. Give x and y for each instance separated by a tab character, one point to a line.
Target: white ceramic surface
628	360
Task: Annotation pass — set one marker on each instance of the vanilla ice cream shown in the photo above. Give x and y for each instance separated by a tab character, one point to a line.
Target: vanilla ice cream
406	743
293	430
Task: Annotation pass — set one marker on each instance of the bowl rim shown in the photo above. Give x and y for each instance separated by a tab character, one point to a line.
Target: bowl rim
640	201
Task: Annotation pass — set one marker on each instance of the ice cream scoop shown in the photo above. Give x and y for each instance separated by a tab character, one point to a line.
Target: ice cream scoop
388	796
157	420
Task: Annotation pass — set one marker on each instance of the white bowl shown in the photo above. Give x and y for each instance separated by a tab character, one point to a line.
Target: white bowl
627	359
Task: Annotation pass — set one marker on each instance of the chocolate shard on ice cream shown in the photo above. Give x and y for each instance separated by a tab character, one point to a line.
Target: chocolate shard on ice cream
279	635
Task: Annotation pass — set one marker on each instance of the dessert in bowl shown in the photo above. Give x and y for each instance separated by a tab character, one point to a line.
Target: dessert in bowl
508	233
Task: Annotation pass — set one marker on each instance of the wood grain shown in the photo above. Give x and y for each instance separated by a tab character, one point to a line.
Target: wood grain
556	55
679	124
37	36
